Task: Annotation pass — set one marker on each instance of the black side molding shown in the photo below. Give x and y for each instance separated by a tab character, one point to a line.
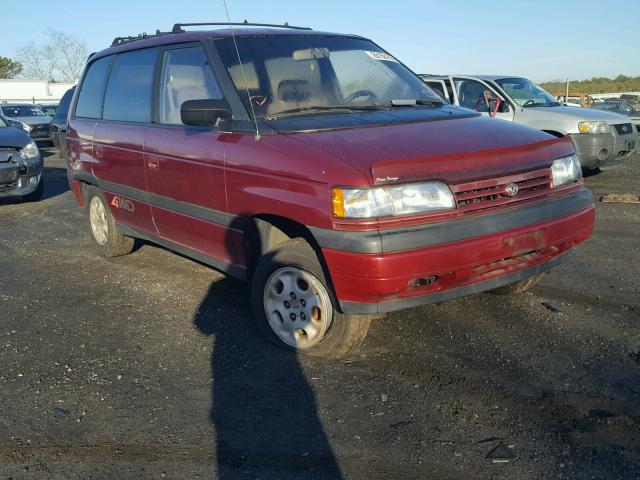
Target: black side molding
407	238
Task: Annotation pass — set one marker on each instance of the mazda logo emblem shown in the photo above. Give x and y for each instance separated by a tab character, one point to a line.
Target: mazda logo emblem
512	190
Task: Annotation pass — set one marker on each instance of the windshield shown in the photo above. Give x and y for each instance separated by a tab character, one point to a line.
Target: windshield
526	93
310	73
22	111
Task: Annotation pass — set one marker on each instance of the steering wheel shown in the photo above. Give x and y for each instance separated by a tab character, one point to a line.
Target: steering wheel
360	93
528	102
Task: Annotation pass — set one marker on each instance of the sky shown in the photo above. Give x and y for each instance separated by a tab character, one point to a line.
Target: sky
543	39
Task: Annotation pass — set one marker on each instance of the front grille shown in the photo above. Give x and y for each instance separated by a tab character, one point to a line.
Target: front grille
6	186
494	192
624	128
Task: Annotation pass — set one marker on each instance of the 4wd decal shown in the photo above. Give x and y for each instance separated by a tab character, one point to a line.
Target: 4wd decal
123	204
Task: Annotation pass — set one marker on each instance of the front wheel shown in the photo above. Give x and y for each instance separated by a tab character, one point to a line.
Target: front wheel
294	308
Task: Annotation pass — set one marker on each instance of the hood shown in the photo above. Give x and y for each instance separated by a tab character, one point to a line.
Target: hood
12	137
453	151
33	120
583	114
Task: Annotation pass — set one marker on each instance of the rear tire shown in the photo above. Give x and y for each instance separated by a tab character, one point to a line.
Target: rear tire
294	307
102	227
519	287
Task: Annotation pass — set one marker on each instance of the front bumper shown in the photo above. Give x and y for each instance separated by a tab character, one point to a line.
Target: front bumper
604	148
458	257
19	179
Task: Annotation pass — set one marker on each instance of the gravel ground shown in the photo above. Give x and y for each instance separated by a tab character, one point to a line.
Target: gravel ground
145	367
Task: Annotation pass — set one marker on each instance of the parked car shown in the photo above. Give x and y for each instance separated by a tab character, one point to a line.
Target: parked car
59	122
49	109
623	108
20	164
319	168
598	137
31	117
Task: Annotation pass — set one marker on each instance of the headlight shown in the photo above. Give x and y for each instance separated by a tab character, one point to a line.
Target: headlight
593	127
391	200
565	170
29	151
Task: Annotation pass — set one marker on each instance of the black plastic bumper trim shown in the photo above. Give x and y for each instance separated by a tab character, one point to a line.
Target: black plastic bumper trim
399	239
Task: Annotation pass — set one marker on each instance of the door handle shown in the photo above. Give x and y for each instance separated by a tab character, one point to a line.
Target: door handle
153	164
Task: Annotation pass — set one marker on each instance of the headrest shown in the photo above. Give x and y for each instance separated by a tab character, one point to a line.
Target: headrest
294	91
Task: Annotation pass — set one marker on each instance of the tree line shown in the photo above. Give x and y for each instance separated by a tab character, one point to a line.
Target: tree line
621	83
60	58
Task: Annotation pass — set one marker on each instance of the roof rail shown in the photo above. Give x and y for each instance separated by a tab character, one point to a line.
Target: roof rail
122	40
177	28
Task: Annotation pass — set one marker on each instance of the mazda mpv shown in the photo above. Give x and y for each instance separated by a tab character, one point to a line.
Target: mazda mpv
320	169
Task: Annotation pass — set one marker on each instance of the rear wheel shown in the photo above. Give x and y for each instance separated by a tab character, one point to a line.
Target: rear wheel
104	233
519	287
294	308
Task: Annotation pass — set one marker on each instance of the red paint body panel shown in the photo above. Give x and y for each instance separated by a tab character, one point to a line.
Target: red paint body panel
384	277
196	187
118	158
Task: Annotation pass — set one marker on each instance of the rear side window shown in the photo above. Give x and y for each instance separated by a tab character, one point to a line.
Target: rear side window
130	87
63	106
186	75
92	90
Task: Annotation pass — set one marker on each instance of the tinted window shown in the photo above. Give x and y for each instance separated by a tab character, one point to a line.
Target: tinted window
437	87
130	87
63	106
185	76
92	90
22	111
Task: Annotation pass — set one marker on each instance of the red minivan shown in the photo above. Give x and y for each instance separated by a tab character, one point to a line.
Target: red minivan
319	168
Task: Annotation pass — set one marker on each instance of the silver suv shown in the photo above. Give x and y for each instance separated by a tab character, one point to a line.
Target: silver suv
598	137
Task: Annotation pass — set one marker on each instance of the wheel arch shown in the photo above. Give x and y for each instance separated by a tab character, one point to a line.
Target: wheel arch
264	231
554	133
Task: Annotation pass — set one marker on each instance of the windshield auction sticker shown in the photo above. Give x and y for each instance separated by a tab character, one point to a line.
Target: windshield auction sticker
381	56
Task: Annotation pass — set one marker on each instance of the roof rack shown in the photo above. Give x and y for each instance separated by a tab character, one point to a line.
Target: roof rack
177	28
122	40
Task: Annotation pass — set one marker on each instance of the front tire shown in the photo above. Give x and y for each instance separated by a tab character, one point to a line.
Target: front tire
104	233
294	307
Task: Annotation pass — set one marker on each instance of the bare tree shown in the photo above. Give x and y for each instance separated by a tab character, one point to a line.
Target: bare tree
61	58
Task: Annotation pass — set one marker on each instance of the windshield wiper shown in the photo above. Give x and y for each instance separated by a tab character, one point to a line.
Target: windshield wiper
320	108
411	102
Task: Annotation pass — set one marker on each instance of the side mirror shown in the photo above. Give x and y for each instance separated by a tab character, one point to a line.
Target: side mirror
205	112
504	107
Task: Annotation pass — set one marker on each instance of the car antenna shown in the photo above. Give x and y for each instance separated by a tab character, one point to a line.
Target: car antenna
244	75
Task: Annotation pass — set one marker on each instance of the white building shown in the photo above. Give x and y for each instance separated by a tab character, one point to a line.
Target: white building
32	91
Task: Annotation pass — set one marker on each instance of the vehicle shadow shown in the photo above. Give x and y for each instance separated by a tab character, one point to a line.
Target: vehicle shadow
264	410
55	183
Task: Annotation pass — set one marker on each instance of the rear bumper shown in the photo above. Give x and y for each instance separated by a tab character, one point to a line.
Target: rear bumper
470	256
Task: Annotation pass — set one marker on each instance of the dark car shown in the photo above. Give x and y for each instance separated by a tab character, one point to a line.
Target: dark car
20	164
59	122
319	168
34	120
49	109
622	107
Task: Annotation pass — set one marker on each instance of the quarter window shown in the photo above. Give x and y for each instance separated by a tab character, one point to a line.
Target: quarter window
92	89
130	87
186	75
